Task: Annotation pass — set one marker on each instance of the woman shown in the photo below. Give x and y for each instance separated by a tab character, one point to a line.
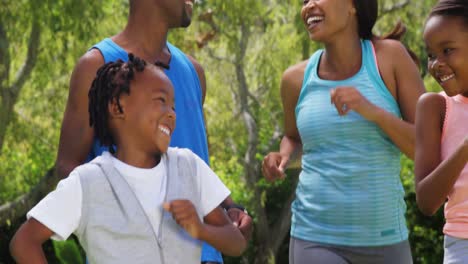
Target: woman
350	108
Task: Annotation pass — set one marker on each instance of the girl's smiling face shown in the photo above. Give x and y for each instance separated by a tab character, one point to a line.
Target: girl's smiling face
446	39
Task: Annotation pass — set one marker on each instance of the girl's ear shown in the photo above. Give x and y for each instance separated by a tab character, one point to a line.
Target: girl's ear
116	108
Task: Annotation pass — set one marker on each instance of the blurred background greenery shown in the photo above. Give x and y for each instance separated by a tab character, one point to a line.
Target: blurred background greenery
244	46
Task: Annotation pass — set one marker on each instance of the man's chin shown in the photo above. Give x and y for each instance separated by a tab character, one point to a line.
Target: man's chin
186	22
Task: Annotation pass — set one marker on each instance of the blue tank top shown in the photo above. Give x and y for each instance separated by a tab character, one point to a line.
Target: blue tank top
349	191
190	129
190	125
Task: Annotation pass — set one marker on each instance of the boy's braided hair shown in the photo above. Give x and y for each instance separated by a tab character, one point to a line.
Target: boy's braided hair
112	80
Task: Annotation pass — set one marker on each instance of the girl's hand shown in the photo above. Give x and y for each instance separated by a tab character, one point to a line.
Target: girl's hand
273	166
186	216
348	98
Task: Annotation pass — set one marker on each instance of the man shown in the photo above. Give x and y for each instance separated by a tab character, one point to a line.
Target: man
145	35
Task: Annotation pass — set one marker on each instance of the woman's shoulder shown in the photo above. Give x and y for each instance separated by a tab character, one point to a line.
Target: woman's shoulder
388	46
294	75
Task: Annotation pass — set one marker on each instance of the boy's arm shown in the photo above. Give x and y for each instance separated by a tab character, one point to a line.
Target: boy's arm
218	230
26	245
222	234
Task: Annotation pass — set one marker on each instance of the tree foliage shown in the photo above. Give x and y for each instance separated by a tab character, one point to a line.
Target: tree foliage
244	47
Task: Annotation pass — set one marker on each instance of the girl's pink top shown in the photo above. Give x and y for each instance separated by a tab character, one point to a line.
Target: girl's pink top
454	132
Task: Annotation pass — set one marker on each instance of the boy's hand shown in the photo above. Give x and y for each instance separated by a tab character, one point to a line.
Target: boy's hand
186	216
242	221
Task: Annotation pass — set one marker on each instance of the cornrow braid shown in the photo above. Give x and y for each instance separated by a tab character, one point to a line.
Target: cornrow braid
454	8
112	80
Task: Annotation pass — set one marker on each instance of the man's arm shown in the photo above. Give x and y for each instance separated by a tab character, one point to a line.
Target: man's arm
242	220
76	135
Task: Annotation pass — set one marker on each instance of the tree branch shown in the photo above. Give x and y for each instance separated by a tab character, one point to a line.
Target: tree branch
31	58
4	58
11	211
216	57
395	7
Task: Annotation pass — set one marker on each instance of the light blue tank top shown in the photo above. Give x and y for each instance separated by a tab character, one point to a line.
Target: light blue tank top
349	191
190	129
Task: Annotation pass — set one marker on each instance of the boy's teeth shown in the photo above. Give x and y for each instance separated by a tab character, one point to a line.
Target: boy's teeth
447	77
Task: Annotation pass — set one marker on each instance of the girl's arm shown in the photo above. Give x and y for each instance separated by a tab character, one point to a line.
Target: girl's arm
26	245
275	163
434	178
218	230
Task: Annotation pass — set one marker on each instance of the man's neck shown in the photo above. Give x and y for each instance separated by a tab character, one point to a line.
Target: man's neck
147	42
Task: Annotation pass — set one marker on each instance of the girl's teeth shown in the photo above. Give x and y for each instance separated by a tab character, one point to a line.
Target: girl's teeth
446	78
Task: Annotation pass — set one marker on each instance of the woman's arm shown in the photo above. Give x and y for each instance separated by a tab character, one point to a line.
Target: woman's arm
26	245
434	178
406	86
275	163
402	79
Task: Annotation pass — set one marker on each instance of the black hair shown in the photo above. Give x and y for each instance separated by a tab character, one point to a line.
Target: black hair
367	12
453	8
112	80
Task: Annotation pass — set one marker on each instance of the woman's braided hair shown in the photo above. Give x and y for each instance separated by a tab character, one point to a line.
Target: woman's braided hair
112	80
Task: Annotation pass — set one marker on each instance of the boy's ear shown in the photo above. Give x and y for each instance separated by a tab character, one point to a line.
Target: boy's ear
114	110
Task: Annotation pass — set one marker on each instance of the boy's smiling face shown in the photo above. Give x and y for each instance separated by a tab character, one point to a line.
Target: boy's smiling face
148	118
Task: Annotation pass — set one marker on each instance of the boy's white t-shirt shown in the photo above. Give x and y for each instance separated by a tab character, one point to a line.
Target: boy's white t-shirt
60	210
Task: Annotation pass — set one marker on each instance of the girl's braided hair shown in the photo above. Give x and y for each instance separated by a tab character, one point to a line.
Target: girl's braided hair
455	8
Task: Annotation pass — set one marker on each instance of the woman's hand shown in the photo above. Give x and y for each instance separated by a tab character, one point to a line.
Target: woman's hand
348	98
273	166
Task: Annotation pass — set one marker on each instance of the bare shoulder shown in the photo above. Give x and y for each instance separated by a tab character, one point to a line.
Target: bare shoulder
92	59
432	106
86	68
293	77
389	47
196	65
432	102
83	74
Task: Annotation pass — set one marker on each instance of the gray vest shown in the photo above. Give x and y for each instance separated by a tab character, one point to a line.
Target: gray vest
114	227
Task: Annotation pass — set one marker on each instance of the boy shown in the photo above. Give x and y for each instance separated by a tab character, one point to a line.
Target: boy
111	203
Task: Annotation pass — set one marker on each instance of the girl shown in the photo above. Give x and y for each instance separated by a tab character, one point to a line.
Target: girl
145	203
442	127
349	205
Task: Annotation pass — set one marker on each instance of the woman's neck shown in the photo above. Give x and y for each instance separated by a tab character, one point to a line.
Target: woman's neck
342	58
